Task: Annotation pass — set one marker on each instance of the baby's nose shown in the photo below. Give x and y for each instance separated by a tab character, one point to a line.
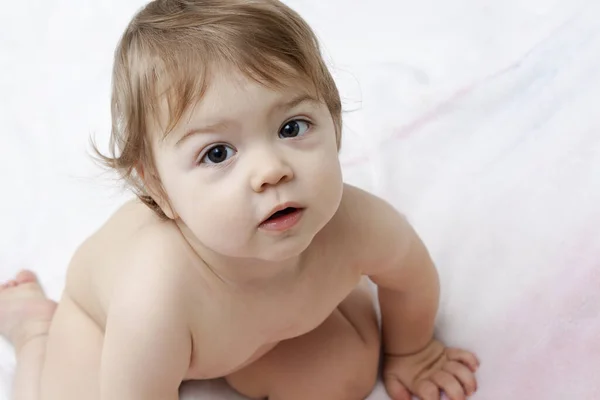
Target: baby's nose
270	171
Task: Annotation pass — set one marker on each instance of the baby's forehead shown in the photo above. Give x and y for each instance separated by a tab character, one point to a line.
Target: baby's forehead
232	82
229	92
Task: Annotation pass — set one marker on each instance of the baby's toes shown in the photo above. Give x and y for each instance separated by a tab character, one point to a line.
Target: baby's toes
26	276
8	284
24	285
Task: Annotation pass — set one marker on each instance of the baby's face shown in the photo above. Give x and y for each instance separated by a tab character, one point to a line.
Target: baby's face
241	153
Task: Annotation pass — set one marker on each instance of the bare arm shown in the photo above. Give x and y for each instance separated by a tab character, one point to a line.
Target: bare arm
409	288
147	346
408	295
400	265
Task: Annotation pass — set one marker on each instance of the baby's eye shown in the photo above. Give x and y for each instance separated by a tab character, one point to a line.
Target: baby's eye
294	128
217	154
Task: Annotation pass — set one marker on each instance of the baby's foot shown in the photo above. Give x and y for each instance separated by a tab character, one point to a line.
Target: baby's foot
25	312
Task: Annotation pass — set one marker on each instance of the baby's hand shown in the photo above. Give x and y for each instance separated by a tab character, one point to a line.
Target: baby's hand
430	370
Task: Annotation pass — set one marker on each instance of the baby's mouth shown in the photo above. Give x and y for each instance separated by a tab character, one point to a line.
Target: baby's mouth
282	220
281	213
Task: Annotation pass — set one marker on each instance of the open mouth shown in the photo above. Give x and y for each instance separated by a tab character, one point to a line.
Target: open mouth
282	220
282	213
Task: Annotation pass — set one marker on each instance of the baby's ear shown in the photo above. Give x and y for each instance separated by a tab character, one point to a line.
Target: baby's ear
153	188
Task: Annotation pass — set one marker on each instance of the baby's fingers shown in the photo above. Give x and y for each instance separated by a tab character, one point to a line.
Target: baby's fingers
396	390
466	357
463	374
427	390
449	384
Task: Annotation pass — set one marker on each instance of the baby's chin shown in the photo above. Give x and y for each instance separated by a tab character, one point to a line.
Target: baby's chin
277	248
269	252
281	252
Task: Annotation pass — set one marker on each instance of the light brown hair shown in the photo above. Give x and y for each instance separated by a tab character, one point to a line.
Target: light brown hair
167	52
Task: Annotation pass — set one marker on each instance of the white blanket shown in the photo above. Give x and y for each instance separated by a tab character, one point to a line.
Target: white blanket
478	120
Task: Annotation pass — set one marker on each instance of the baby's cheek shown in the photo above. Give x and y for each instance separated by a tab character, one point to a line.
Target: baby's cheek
329	172
324	164
326	183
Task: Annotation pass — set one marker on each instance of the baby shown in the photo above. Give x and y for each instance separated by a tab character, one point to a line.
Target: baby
244	256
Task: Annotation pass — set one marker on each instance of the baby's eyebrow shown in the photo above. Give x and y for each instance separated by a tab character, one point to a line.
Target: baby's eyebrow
294	102
212	128
224	124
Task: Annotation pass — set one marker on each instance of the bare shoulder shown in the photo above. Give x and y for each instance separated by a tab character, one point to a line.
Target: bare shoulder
159	259
134	254
152	271
119	234
377	232
134	237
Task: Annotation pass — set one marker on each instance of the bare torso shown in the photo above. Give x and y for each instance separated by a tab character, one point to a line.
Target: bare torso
239	326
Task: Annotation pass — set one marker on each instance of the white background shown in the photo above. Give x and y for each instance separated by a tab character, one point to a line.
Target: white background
478	119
